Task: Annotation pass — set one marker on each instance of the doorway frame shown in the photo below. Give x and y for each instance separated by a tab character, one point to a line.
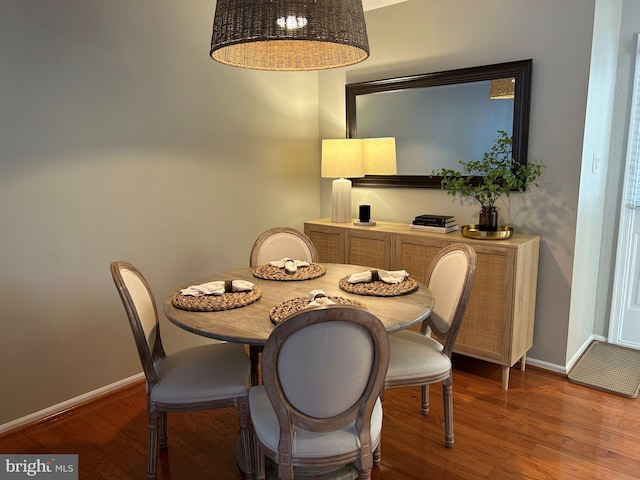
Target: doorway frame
626	252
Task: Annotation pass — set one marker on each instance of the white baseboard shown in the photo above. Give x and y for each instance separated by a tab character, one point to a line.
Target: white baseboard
546	365
564	369
60	407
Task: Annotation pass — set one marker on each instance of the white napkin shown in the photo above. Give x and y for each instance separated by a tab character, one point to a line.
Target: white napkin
317	298
288	264
396	276
216	288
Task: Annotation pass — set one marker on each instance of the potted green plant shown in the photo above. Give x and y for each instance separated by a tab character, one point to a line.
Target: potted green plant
487	179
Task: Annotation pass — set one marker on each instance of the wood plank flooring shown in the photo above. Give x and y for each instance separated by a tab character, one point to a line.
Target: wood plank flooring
543	427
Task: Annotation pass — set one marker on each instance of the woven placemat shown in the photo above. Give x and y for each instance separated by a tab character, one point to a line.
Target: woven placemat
214	303
608	367
294	305
379	288
269	272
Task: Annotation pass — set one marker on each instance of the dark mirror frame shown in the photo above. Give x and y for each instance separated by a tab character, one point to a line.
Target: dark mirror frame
521	70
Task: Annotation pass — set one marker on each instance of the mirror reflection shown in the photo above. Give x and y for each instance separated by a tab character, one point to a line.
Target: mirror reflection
440	122
439	119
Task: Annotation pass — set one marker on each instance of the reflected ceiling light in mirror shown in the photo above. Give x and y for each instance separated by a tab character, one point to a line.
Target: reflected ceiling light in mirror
287	35
342	159
502	88
380	156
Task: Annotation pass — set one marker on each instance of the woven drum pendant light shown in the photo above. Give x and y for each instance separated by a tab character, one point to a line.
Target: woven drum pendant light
289	34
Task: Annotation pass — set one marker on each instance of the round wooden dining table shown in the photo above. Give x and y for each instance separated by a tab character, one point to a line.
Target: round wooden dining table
252	325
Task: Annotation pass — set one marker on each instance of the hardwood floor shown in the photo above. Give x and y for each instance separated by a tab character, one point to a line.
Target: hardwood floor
543	427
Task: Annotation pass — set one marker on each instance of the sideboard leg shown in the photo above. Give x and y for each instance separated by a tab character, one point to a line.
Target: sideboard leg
505	378
523	362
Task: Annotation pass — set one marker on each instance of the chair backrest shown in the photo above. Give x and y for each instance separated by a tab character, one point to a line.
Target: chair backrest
324	368
450	278
280	242
141	309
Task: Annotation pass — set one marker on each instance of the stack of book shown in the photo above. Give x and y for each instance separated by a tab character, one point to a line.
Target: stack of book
434	223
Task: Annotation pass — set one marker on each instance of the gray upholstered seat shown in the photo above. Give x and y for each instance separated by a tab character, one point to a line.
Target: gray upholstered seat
418	359
323	372
198	378
416	356
308	445
280	242
201	374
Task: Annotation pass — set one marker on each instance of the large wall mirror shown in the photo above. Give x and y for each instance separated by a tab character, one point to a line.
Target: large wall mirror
441	118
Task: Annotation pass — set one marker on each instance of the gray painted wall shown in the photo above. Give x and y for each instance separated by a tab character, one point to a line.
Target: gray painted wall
120	139
420	36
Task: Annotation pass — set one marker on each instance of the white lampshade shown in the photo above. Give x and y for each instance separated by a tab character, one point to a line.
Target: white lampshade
342	159
380	156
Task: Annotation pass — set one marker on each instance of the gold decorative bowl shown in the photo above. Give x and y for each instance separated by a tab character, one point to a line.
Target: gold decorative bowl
473	231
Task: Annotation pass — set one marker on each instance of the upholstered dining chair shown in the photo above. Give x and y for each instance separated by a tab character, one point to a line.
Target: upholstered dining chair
274	244
319	405
280	242
197	378
419	359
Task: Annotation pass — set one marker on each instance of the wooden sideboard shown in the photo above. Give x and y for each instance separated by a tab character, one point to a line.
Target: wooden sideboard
498	324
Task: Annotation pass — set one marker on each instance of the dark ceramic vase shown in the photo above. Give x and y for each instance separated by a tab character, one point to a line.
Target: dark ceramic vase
488	220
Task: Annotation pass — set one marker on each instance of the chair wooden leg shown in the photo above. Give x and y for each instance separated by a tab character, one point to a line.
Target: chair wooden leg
364	475
447	395
246	439
377	456
152	445
285	464
258	457
424	406
162	430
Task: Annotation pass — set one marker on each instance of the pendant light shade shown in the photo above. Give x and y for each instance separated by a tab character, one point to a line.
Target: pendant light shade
502	88
289	34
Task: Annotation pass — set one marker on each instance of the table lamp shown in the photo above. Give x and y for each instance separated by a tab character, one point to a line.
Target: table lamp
379	159
380	156
342	159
